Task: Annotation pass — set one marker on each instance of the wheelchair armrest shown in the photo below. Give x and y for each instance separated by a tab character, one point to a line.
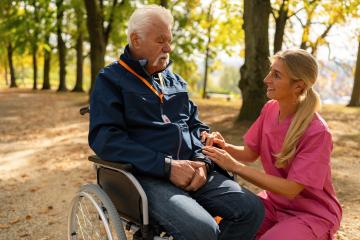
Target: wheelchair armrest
84	110
122	166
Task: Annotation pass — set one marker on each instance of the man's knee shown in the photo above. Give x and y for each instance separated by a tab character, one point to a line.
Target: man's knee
199	229
249	208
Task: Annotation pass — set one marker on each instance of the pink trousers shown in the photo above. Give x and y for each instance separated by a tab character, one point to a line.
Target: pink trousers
278	225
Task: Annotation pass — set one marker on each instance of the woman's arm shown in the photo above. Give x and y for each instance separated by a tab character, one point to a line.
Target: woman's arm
287	188
241	153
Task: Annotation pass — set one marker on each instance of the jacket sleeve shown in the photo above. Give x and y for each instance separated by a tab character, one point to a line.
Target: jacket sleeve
108	135
195	128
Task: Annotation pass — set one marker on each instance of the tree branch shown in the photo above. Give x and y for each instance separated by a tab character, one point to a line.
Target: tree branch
111	20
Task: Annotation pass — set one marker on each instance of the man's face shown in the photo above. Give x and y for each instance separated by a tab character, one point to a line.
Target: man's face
155	45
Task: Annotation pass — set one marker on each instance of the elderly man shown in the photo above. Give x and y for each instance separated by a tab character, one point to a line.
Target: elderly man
141	114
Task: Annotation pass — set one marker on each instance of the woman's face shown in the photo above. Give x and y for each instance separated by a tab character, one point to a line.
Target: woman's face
279	85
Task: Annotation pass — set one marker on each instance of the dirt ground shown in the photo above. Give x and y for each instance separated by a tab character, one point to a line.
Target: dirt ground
43	159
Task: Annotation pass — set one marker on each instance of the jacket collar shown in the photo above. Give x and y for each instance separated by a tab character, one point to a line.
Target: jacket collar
138	65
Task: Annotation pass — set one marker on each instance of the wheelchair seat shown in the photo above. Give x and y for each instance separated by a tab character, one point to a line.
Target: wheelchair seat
115	203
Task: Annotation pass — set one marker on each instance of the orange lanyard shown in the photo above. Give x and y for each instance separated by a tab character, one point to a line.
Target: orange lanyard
160	95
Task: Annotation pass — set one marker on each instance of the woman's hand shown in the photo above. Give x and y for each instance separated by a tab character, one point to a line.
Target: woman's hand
221	158
213	139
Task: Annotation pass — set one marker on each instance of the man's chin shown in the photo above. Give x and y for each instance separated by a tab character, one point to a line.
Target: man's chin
161	67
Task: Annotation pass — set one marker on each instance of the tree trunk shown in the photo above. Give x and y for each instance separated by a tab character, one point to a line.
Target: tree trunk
47	59
207	53
11	66
61	46
206	71
305	38
164	3
355	96
35	67
256	66
79	63
6	73
280	23
97	38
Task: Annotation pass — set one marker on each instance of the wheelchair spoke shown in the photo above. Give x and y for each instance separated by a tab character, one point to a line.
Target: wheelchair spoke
80	227
93	216
86	219
87	225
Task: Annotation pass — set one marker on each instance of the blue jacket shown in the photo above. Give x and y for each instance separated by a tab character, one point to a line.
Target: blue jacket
126	123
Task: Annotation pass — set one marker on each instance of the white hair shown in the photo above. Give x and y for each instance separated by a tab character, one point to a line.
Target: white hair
141	19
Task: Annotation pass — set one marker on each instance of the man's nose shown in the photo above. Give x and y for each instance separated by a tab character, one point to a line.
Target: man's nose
167	48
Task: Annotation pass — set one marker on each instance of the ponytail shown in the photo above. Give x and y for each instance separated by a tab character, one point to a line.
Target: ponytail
300	65
303	116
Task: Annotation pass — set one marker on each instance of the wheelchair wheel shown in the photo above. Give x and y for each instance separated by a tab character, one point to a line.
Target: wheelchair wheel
93	216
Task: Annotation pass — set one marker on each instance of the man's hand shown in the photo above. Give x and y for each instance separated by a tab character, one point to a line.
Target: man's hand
199	178
183	172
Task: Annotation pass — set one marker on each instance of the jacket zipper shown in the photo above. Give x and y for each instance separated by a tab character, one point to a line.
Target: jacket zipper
178	151
178	127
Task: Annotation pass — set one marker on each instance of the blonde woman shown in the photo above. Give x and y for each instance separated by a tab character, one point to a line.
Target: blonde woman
294	145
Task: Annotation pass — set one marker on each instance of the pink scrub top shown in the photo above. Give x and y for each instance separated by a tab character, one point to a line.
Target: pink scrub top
310	166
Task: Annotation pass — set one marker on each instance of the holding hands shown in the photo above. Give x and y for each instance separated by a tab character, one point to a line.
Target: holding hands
216	150
213	139
221	158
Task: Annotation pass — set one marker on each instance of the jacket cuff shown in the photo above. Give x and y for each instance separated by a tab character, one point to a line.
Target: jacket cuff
167	166
209	164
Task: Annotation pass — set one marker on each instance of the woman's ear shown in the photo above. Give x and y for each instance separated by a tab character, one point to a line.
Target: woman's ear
300	87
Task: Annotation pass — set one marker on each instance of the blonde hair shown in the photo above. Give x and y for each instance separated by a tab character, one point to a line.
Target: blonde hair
142	18
300	65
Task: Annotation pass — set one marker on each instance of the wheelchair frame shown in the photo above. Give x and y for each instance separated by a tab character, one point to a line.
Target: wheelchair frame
109	208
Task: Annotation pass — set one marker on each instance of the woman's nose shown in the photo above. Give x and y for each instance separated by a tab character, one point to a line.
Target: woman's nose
267	78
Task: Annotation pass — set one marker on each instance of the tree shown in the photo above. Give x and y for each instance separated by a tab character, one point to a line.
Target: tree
11	66
79	15
61	45
221	24
12	33
282	11
256	66
281	17
209	19
334	12
100	18
355	96
48	28
4	63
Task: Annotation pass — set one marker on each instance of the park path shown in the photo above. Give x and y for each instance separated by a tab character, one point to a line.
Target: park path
43	159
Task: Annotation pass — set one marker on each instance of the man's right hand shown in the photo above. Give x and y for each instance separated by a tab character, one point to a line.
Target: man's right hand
183	172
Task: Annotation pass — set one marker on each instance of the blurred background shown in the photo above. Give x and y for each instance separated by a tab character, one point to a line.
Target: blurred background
47	44
52	50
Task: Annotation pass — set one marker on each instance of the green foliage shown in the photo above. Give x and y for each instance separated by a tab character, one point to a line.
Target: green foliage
118	38
12	25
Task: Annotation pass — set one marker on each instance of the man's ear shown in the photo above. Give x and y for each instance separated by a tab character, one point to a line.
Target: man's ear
135	40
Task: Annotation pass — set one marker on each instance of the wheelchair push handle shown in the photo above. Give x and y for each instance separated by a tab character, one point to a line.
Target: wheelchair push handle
85	110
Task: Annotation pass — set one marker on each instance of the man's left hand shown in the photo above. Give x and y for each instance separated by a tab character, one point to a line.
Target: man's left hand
199	179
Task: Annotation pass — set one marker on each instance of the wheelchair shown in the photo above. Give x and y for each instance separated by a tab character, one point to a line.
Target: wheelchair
116	208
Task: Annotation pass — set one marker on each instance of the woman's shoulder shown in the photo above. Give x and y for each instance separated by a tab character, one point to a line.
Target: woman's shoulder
270	105
317	126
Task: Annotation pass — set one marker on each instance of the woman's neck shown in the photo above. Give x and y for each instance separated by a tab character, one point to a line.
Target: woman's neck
286	109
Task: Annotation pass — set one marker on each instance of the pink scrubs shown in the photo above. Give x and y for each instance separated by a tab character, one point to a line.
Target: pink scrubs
315	213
